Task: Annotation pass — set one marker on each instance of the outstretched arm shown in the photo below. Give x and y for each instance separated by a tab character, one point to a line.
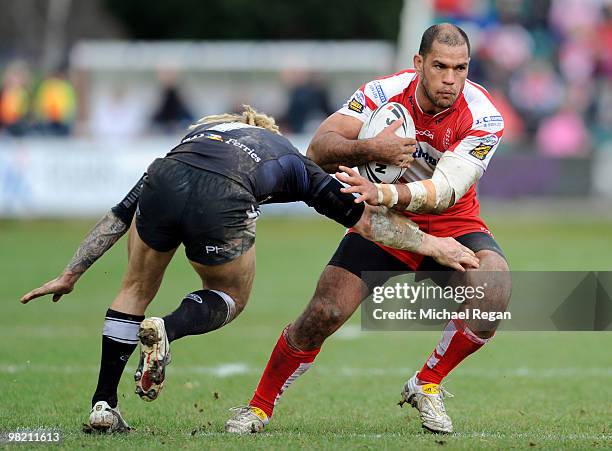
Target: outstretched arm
388	227
100	239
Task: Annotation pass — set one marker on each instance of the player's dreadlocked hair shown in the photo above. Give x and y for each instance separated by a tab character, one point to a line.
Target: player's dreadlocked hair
249	116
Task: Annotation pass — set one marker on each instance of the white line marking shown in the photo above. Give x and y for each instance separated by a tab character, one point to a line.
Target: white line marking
349	332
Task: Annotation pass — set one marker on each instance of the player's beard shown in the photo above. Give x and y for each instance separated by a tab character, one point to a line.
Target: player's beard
439	103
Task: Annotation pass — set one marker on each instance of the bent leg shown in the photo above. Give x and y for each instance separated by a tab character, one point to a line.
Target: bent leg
339	292
337	296
226	289
143	277
462	338
120	335
494	276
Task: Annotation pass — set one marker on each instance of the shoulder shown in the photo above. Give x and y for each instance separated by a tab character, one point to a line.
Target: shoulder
383	88
480	110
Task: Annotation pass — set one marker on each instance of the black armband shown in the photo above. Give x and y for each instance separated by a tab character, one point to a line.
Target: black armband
125	209
336	205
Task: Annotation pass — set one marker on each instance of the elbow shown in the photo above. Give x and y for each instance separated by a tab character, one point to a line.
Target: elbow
364	226
315	155
311	153
317	158
445	203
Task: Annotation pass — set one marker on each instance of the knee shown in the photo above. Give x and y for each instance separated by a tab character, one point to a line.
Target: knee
238	294
496	275
327	315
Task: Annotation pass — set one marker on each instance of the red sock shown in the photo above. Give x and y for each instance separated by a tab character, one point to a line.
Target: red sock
457	342
286	364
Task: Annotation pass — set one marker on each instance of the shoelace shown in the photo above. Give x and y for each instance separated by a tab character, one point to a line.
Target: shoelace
242	411
437	399
445	393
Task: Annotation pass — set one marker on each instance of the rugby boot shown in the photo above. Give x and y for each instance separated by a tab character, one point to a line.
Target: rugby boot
154	357
247	420
428	399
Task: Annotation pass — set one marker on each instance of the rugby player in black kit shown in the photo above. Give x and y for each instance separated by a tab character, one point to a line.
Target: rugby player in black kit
206	194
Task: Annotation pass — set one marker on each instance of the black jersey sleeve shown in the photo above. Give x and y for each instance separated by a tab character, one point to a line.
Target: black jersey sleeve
125	209
293	177
284	179
331	202
324	195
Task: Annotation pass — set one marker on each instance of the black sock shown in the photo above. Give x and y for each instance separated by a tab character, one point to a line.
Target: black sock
119	339
200	312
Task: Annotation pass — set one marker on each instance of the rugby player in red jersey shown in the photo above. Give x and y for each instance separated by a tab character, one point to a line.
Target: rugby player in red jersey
458	130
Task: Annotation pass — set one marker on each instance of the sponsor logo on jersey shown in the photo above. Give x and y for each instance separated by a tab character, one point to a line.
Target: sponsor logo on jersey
420	153
490	140
194	297
246	149
229	126
485	146
427	133
357	103
411	102
213	136
377	91
447	138
489	121
234	142
191	138
216	250
206	135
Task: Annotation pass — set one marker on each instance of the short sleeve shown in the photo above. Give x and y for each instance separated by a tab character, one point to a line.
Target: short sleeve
479	143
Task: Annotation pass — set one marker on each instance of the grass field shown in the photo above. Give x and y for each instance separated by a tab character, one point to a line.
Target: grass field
523	390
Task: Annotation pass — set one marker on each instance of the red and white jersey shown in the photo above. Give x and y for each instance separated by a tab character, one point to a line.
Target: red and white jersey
471	128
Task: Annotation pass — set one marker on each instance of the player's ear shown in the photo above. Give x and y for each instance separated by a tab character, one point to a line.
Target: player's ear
417	61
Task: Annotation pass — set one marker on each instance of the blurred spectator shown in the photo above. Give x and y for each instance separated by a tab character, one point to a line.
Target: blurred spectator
509	46
15	99
536	92
55	105
603	43
308	101
567	16
548	64
564	134
117	116
603	111
172	114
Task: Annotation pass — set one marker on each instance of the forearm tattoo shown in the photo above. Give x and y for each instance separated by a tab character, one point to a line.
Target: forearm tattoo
100	239
394	230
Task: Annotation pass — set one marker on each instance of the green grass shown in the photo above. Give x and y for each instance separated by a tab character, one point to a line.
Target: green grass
523	390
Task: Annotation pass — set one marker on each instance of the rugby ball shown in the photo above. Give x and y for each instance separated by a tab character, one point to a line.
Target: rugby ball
381	118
